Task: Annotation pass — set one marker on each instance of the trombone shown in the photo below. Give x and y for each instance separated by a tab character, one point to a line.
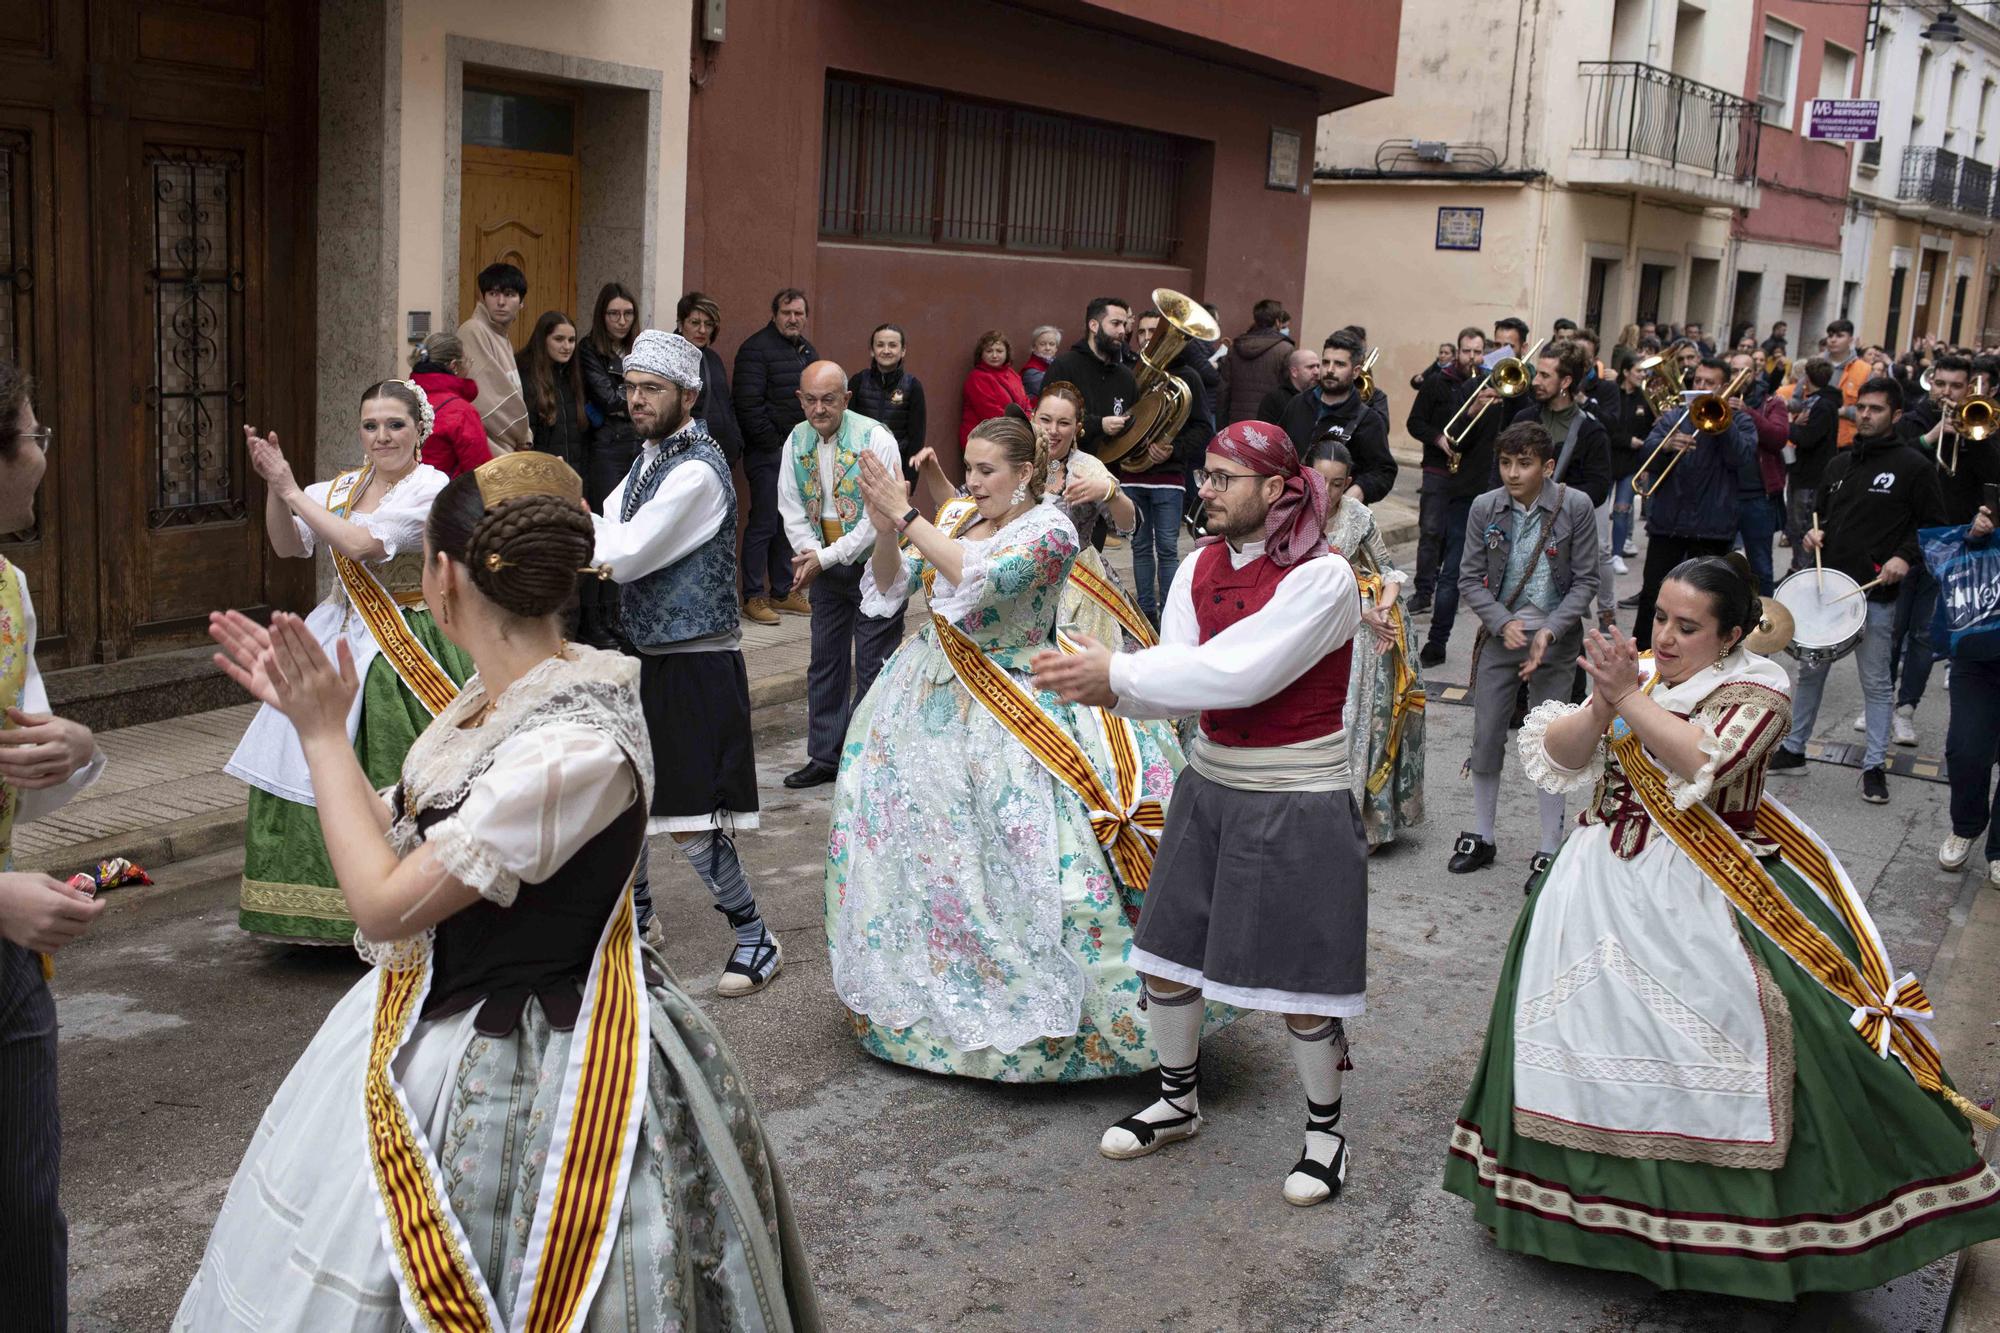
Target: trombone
1509	378
1710	413
1364	379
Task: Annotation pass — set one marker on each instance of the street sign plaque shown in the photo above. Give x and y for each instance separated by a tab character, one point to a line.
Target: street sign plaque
1843	120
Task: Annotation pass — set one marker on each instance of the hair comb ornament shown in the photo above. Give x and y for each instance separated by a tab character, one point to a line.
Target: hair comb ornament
526	472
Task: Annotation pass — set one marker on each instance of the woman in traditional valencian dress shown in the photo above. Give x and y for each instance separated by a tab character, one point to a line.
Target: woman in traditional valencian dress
514	1120
1701	1066
1385	695
371	519
1094	603
978	909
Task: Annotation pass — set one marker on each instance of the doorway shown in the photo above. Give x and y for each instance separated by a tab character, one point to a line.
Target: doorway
1958	307
1603	275
1926	292
1743	306
1898	280
1655	290
519	196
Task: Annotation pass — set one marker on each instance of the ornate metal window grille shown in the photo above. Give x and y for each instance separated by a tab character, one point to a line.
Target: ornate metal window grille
195	282
17	276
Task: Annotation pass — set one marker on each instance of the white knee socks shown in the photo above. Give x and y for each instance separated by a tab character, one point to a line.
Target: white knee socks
1319	1053
1173	1021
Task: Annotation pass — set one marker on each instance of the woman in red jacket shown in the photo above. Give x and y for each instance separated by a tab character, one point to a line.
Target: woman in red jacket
457	441
991	384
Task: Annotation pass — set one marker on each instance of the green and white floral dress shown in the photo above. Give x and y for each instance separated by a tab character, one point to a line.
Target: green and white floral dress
975	923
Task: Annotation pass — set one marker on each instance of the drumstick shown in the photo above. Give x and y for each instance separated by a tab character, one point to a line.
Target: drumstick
1853	592
1819	569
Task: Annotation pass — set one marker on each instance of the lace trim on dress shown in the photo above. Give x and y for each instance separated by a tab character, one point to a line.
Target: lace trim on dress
395	955
472	862
1687	791
1545	772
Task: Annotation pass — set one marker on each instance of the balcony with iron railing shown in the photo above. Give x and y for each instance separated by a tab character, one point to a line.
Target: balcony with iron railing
1941	179
1653	131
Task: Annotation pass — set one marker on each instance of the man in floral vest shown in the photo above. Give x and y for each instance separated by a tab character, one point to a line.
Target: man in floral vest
819	498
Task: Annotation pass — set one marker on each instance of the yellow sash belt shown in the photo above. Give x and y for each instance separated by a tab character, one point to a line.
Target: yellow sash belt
1128	616
1887	1014
379	611
583	1183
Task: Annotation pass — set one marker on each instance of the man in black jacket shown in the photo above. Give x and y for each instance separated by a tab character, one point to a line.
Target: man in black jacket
766	390
1157	488
1301	370
1873	497
1096	366
1333	408
1256	364
1436	400
1583	446
891	394
1815	435
1462	487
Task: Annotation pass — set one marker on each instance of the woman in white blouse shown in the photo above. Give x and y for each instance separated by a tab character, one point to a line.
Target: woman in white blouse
371	520
516	1119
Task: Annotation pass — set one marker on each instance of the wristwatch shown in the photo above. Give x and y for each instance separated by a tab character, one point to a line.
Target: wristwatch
909	517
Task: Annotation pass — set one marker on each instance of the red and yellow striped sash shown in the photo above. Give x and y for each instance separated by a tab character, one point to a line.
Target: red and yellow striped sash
379	610
1888	1016
583	1185
1098	589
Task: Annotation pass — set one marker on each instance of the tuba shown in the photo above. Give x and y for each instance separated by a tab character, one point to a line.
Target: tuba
1662	385
1163	405
1364	379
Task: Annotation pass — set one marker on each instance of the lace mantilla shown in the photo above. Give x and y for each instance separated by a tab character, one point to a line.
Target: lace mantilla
1544	771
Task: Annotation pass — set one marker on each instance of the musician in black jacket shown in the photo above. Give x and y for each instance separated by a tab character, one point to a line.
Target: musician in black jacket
1442	390
1333	407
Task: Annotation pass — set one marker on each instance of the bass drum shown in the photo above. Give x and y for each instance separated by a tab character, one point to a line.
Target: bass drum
1828	614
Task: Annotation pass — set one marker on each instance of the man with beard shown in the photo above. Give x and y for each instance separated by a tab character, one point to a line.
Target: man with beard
1096	366
1333	410
1436	400
1259	897
668	538
1583	446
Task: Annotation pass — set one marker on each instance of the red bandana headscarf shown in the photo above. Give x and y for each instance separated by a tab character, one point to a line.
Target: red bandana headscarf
1295	529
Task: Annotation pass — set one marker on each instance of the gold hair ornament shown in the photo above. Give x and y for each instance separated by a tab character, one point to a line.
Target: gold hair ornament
525	472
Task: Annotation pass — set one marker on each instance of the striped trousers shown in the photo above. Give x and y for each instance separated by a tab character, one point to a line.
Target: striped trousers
34	1240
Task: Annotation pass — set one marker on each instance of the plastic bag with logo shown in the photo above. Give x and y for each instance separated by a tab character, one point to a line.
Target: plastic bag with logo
1967	621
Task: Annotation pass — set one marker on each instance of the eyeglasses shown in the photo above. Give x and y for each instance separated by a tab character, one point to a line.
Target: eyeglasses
645	391
1204	479
41	435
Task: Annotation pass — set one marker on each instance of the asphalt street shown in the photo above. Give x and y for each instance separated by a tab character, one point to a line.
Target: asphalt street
931	1203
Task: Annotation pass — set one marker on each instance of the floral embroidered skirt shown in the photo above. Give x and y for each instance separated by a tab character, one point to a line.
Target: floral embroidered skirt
705	1238
1880	1178
974	924
289	892
1385	724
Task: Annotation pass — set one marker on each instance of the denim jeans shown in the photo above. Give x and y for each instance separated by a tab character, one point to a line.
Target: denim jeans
1971	746
1444	603
1910	663
1155	544
1433	514
1871	659
1756	528
1621	514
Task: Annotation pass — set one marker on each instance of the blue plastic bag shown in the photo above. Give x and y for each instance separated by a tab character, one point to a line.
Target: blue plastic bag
1967	620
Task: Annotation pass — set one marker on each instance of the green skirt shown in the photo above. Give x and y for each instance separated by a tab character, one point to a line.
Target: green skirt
1881	1177
289	892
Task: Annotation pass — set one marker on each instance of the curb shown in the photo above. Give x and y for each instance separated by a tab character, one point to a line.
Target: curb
158	845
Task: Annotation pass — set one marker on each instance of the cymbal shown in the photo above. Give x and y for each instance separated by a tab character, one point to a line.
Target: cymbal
1774	630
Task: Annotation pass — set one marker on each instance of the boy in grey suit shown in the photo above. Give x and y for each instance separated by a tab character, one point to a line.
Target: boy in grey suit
1529	573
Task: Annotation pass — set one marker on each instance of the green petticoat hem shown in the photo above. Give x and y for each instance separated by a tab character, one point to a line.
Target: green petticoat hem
1881	1177
1090	1054
289	892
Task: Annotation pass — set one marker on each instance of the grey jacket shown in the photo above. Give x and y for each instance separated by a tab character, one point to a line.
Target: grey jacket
1572	557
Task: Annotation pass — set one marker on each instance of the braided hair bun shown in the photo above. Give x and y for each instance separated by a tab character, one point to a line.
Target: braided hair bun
1727	583
524	553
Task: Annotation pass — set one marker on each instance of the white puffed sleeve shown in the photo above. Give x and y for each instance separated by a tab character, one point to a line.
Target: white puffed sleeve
1541	768
317	493
877	601
1738	726
549	791
398	522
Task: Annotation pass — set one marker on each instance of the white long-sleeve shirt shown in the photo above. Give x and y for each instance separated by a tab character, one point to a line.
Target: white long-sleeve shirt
1315	610
800	530
35	699
687	509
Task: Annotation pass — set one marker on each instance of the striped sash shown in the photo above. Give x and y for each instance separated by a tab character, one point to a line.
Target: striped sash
382	614
1127	825
1088	582
1891	1016
583	1182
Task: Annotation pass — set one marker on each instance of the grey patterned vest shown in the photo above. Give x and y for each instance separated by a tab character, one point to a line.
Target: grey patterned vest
695	596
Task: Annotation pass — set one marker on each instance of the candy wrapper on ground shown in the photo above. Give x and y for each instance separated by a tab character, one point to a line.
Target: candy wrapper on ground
112	873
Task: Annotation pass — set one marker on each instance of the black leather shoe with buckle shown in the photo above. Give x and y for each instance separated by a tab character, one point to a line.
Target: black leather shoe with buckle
1538	866
1471	852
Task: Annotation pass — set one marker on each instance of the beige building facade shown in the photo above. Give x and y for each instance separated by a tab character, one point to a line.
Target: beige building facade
1595	142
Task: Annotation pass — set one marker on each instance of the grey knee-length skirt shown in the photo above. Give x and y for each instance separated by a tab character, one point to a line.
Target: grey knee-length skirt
1260	898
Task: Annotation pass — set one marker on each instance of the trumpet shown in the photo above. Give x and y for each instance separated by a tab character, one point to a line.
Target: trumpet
1364	379
1509	378
1975	419
1710	414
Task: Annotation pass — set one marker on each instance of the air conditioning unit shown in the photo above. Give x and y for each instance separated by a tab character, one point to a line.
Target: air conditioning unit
1431	150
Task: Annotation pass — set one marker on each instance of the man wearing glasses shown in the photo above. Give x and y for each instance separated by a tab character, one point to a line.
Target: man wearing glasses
819	495
1259	897
668	538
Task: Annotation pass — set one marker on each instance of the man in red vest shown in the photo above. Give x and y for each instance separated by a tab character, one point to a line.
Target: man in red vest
1259	897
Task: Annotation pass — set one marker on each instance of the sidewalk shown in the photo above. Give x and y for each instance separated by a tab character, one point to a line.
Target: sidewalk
164	797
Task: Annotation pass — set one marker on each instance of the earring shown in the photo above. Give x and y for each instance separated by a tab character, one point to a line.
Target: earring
1021	494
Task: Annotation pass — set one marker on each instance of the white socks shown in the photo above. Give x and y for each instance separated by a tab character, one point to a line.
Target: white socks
1554	815
1173	1020
1319	1053
1485	804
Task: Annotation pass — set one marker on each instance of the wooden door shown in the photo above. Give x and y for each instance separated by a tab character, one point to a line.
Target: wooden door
173	304
519	208
1927	293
